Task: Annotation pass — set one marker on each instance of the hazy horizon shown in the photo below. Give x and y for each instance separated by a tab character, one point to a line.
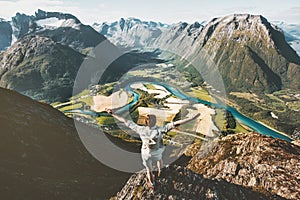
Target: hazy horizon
163	11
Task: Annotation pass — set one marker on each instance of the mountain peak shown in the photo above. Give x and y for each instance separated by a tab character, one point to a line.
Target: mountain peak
130	32
40	14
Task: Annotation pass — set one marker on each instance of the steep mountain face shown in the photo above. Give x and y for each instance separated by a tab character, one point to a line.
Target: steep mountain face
131	32
40	68
293	30
5	34
42	156
21	25
250	53
254	161
291	33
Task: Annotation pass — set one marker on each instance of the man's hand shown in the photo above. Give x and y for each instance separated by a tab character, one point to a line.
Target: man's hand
197	115
109	111
179	122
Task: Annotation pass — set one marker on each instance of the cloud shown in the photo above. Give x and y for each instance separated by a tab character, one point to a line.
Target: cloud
290	15
99	11
25	6
30	6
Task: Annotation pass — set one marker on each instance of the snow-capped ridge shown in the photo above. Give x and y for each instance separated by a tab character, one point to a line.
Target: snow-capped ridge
53	23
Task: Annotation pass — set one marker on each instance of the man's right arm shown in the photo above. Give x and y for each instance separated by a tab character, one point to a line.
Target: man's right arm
179	122
172	125
121	119
130	124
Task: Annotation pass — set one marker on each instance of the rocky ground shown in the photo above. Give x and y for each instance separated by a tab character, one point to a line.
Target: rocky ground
255	161
178	182
241	166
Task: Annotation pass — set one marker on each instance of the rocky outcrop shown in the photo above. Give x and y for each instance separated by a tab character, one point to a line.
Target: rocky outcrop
240	166
251	160
177	182
22	24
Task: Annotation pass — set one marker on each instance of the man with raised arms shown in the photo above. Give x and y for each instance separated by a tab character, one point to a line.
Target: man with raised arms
152	142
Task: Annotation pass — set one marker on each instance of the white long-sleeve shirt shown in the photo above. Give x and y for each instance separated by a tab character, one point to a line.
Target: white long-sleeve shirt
151	137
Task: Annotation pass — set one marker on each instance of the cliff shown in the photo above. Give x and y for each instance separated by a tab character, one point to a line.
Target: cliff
241	166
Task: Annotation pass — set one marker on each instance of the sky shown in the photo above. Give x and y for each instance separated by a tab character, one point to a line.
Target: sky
167	11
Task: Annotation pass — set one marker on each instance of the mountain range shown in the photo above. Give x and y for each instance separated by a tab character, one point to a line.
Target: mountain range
42	156
46	53
239	53
249	52
62	28
246	51
50	48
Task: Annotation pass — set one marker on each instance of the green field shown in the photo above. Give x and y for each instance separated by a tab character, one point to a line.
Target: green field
88	100
105	120
83	93
201	94
219	119
71	107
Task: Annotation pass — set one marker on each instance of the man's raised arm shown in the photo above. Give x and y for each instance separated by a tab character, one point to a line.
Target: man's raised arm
121	119
179	122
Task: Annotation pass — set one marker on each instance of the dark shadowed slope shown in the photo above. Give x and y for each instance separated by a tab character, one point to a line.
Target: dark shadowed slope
42	157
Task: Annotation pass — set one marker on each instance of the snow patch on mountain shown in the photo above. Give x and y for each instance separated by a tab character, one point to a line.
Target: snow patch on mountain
53	23
131	32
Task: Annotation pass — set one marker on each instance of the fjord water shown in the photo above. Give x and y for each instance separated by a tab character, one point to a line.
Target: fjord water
254	125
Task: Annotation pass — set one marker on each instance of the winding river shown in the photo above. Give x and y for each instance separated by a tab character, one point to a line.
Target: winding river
256	126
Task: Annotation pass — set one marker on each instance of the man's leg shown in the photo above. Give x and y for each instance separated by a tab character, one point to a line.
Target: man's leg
150	175
159	166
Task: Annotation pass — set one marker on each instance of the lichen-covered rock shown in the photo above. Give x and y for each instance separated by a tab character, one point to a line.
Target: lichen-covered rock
177	182
252	160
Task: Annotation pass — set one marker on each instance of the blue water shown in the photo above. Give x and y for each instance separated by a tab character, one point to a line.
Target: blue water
258	127
86	112
135	99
